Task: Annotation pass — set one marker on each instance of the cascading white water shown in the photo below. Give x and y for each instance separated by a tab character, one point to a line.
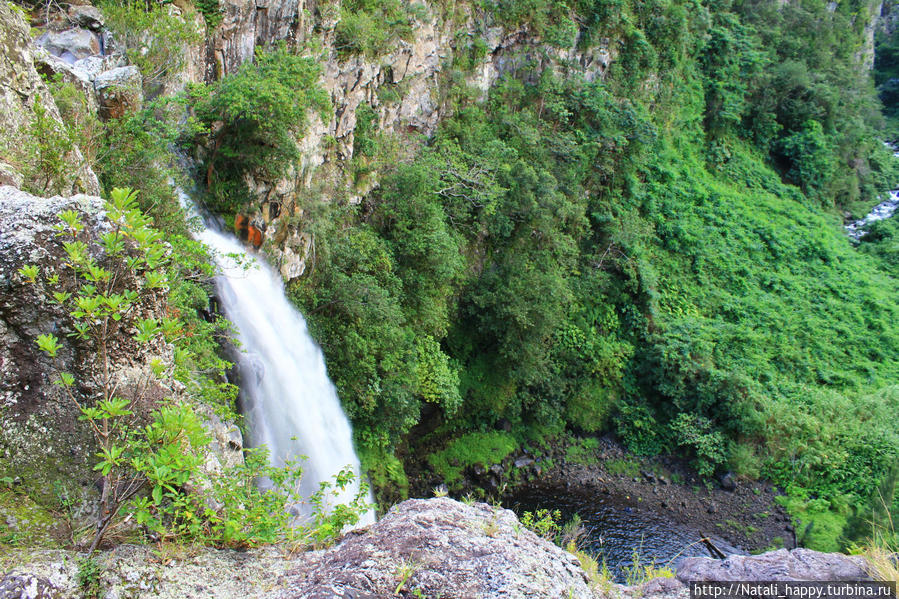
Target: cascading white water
885	209
881	211
289	402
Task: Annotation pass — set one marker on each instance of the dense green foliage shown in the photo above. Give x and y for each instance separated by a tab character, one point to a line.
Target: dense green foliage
251	119
472	449
656	253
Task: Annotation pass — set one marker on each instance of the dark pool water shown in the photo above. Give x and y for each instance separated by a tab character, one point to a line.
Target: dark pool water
614	528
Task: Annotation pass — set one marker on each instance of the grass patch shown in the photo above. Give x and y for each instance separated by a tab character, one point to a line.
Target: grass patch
624	466
880	552
483	449
583	451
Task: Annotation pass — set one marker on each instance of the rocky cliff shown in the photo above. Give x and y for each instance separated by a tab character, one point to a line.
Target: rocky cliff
422	548
403	86
46	449
29	118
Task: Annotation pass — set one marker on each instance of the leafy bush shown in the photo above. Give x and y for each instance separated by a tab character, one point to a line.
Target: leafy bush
46	154
637	427
544	523
252	119
708	444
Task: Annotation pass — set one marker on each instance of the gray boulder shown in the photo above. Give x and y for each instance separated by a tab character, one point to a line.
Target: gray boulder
86	16
27	586
41	438
445	549
53	67
71	44
780	565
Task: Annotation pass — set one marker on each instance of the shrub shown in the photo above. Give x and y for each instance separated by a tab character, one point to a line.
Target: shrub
251	121
708	445
637	427
370	27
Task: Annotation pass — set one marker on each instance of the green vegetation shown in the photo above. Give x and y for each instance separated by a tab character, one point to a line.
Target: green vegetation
47	153
583	451
150	449
250	121
658	253
155	41
472	449
88	577
639	571
627	467
543	522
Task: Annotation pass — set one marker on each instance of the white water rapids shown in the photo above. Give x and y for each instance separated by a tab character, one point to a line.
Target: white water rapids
289	402
885	209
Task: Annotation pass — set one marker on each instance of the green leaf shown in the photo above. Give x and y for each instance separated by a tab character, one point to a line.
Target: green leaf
66	379
30	273
147	329
61	296
48	344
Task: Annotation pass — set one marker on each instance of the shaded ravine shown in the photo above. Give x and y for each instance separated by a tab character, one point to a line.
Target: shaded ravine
290	404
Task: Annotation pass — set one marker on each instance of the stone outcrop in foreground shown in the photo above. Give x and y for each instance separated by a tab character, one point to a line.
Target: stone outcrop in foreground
422	548
780	565
446	549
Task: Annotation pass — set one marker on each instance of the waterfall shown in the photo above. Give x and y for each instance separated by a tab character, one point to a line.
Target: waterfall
290	404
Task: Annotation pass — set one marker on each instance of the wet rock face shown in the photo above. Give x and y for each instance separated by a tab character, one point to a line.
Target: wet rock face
780	565
445	549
